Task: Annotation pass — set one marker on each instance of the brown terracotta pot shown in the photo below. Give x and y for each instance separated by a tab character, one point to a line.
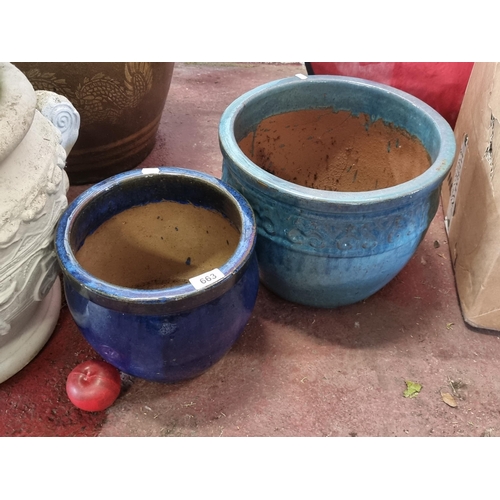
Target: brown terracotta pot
120	106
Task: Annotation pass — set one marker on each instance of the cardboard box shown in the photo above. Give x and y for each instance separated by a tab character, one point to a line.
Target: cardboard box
471	199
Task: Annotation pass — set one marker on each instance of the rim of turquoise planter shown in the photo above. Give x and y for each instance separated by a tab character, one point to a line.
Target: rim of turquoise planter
432	177
160	300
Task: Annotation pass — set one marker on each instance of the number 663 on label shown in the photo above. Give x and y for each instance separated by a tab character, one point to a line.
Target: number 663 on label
206	279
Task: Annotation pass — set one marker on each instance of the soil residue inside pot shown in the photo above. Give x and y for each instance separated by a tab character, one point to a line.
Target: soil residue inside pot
158	245
335	151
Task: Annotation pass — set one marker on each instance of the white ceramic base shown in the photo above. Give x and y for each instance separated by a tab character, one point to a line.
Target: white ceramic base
15	355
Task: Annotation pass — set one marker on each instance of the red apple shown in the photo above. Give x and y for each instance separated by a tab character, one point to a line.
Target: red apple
93	385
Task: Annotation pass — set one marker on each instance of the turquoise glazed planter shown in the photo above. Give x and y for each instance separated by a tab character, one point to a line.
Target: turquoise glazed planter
329	248
165	334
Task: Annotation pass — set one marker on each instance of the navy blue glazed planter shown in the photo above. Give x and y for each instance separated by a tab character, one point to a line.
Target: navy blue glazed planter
166	334
330	248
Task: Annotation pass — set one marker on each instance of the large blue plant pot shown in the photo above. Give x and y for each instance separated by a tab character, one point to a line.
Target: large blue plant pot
169	334
329	248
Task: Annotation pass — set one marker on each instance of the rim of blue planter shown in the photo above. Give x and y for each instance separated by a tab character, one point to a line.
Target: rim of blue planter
162	300
351	94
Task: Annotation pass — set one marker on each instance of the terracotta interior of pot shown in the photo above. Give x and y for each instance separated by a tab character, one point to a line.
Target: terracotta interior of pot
158	245
335	151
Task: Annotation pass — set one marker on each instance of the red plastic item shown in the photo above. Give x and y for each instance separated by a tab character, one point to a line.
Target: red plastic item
442	85
93	385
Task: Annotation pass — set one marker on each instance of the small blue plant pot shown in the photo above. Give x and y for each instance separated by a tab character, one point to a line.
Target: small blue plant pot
329	248
168	334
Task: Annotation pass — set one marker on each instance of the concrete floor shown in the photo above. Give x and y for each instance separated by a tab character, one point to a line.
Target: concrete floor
295	371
